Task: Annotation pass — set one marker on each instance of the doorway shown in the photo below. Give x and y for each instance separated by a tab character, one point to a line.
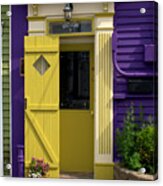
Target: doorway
76	110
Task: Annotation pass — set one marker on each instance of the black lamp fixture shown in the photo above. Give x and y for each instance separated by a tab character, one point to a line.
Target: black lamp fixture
68	11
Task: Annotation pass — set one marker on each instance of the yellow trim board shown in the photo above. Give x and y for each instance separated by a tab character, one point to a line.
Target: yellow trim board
104	14
36	18
36	31
81	34
105	28
77	47
104	171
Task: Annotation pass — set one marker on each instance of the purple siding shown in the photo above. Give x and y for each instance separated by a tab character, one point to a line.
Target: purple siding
19	29
134	55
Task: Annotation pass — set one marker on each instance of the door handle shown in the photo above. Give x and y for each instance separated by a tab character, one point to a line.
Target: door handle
92	112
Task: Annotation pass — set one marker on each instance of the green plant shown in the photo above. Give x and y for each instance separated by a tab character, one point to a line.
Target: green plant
125	141
136	143
38	168
146	145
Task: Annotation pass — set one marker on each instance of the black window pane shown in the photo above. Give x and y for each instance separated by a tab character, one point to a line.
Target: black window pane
74	80
142	86
86	26
70	27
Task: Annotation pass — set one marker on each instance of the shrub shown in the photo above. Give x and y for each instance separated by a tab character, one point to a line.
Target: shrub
146	145
136	142
125	141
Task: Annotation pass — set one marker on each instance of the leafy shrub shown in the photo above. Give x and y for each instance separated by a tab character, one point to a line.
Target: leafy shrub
125	140
146	145
136	142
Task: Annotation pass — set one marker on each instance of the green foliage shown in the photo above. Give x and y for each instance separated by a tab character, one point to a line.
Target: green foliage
134	161
146	145
125	140
136	143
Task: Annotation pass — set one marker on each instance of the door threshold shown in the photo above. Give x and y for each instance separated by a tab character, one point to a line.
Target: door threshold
76	175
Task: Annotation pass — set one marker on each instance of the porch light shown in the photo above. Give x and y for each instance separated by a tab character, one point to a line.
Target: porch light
68	11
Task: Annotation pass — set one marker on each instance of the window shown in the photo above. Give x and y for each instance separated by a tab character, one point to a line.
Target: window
41	65
142	85
70	27
74	80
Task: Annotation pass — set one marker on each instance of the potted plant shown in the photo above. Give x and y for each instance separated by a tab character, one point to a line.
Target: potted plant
38	168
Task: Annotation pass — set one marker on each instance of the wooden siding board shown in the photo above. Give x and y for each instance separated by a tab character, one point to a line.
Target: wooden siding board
5	58
5	87
5	78
134	5
136	27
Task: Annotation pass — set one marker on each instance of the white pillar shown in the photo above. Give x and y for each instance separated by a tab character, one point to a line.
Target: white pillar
103	96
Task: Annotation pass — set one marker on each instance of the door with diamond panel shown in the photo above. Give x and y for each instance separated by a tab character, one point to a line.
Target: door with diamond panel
42	101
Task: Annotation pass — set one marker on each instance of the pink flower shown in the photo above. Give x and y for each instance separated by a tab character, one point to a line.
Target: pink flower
38	166
33	158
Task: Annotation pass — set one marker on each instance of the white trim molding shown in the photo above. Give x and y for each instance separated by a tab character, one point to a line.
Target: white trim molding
103	91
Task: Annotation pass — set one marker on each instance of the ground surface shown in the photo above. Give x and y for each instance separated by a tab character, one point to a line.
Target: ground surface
76	175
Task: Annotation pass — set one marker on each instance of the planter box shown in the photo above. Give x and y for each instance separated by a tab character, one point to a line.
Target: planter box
125	174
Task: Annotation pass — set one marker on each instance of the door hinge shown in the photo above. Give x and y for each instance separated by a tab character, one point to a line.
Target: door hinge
25	103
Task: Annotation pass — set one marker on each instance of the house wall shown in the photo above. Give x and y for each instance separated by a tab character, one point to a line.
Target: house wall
5	20
132	34
19	30
132	31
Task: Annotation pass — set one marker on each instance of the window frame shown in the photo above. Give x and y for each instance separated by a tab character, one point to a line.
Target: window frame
141	82
50	20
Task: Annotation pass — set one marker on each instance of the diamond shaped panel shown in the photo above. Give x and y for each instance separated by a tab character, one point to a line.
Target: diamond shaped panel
41	65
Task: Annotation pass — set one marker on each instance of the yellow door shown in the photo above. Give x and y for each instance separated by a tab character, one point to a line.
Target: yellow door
76	110
42	101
